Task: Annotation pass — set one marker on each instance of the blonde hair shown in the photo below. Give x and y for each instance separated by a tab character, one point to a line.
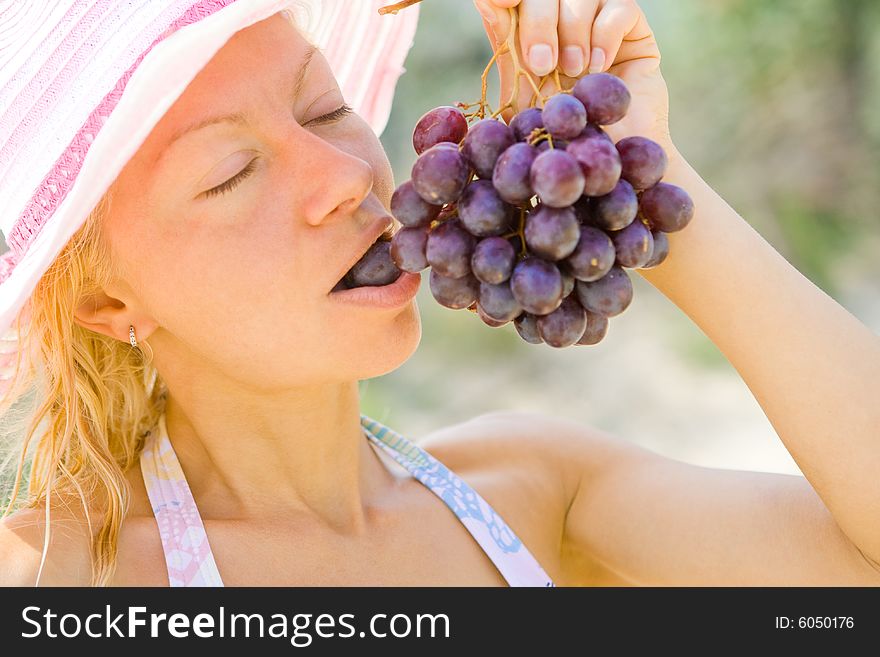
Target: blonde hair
98	396
92	398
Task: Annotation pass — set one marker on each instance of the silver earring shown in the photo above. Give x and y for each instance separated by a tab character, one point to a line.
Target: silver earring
131	338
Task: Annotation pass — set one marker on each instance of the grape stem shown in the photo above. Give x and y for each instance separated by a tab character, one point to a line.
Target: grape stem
397	6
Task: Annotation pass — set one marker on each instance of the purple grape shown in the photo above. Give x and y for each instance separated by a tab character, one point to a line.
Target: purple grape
592	130
512	173
609	296
643	162
375	267
493	259
593	256
552	233
494	323
667	207
565	325
498	302
633	244
599	162
568	281
661	249
481	210
583	210
486	140
455	293
564	116
557	178
616	210
527	327
537	285
440	124
440	174
604	96
410	209
408	248
597	328
449	249
523	123
558	144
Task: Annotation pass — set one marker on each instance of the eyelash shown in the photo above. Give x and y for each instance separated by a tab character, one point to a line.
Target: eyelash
233	182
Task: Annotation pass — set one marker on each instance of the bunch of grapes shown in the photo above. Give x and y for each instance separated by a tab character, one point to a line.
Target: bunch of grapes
536	222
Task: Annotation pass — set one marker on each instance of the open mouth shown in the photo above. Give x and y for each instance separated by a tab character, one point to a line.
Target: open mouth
346	282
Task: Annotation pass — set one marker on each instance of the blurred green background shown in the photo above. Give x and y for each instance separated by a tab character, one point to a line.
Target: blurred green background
777	106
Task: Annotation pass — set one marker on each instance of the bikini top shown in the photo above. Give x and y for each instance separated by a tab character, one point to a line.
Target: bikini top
188	555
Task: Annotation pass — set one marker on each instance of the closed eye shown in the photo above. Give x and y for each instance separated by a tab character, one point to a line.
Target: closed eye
233	182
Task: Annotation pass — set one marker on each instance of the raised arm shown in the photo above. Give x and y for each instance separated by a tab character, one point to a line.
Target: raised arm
811	365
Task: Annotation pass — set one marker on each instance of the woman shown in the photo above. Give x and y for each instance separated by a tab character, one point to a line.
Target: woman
224	244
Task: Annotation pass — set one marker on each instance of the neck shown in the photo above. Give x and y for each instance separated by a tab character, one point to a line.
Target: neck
302	452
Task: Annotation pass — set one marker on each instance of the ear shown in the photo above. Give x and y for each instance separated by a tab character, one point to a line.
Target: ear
111	317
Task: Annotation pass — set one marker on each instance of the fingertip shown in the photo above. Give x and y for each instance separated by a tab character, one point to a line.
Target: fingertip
597	60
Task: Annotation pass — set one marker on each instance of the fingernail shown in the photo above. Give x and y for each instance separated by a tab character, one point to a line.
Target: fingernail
486	12
541	59
597	60
572	61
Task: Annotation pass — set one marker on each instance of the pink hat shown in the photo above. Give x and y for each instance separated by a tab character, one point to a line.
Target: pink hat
83	83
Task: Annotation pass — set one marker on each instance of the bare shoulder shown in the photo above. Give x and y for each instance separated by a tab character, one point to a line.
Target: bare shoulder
22	538
533	464
518	461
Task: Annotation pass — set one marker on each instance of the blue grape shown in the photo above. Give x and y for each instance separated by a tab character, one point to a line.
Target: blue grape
597	329
449	248
616	210
410	209
593	256
525	122
564	326
493	260
633	244
482	211
661	249
494	323
552	233
440	174
557	178
440	124
486	140
454	293
643	162
599	162
537	285
512	174
564	116
498	302
604	96
558	144
376	267
527	327
568	281
609	296
593	130
666	207
408	248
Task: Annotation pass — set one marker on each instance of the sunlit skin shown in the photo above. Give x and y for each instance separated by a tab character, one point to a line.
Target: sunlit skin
231	290
263	368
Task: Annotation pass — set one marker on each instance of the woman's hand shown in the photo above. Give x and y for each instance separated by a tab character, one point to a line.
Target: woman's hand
581	36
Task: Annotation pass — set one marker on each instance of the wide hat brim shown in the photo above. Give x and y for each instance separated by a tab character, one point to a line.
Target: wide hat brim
134	79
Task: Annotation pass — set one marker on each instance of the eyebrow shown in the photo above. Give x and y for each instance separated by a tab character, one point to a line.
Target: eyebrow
241	118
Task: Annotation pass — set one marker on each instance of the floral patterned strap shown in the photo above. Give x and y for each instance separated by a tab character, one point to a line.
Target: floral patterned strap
501	544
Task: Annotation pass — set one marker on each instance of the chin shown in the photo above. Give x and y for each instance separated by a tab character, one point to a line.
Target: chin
392	344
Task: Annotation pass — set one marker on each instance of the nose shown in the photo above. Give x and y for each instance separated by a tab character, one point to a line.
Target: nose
333	179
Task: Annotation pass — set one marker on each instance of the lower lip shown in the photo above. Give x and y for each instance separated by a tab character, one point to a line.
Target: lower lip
393	295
